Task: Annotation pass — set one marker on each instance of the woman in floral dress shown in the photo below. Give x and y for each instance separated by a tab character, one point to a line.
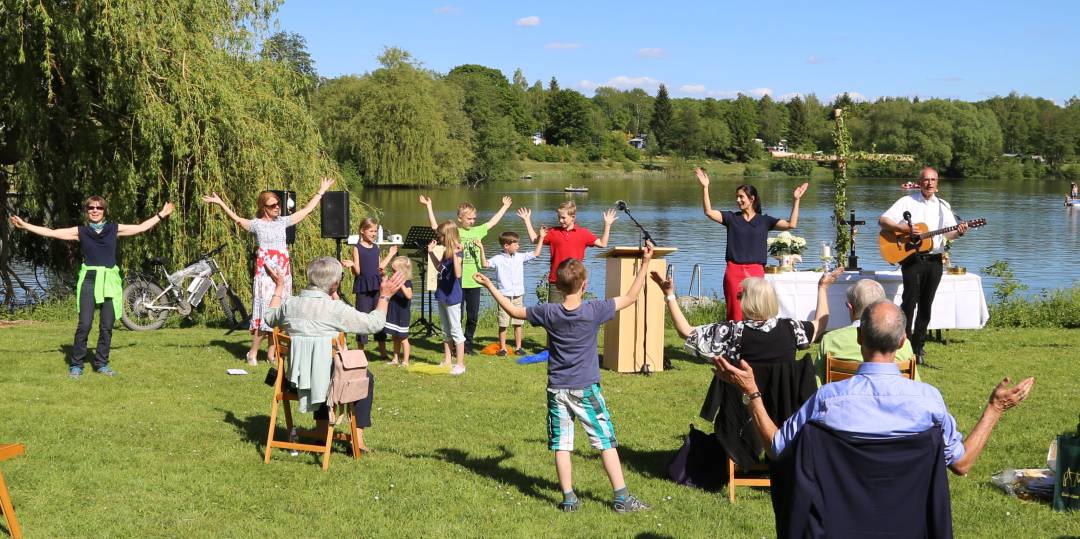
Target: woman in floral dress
269	229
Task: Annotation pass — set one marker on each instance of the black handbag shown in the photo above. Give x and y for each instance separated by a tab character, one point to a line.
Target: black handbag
700	462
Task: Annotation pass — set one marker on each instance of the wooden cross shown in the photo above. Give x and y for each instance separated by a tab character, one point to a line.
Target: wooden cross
845	229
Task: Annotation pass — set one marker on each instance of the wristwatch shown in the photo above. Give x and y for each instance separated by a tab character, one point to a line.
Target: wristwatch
747	398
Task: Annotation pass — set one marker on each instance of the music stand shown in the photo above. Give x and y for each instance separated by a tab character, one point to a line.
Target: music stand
419	237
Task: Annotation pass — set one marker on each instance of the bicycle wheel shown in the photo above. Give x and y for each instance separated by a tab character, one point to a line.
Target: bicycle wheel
235	313
138	295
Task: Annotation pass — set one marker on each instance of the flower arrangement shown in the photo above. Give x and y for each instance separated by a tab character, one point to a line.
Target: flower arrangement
786	244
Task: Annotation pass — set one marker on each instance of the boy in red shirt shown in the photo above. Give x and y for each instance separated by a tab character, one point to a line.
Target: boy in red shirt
566	240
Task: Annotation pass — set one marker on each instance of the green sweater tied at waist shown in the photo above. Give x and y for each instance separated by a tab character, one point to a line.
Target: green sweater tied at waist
107	284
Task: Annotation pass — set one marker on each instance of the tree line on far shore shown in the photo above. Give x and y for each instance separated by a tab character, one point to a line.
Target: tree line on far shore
402	124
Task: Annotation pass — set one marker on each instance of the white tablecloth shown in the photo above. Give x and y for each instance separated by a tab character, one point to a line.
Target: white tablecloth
959	303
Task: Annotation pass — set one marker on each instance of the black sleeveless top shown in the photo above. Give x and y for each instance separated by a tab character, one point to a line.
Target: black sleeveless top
99	249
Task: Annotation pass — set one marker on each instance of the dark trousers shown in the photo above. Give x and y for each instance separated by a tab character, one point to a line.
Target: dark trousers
471	297
361	408
365	303
86	323
922	274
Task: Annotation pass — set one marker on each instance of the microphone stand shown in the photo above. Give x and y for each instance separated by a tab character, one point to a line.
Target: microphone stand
645	237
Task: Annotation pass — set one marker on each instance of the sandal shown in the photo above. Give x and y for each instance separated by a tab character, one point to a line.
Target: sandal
252	360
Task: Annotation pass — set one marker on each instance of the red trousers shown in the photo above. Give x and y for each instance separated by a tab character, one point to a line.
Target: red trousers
733	276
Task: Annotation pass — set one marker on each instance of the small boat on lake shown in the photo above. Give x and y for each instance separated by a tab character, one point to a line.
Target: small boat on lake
579	189
909	185
1073	202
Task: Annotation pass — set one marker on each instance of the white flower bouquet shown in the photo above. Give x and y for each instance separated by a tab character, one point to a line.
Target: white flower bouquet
786	244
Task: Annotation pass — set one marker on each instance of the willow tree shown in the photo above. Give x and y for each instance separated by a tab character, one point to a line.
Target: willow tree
145	101
399	125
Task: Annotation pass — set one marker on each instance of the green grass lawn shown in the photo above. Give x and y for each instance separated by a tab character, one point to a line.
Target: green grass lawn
172	447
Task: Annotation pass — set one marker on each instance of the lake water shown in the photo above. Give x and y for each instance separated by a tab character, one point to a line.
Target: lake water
1027	224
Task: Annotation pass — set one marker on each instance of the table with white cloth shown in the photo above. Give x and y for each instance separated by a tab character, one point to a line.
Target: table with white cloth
958	304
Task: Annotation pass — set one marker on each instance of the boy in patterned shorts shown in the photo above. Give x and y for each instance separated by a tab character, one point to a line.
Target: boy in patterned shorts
574	373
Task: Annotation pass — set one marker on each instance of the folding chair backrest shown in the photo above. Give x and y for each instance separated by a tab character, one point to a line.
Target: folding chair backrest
842	369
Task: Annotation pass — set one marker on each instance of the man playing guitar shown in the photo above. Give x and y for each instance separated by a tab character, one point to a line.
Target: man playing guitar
921	271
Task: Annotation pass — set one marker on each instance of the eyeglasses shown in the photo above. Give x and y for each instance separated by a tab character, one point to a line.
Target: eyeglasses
271	206
92	208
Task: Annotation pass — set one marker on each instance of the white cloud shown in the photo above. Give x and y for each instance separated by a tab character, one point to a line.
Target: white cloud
623	82
528	21
651	52
815	60
588	85
447	10
788	96
760	92
562	46
692	88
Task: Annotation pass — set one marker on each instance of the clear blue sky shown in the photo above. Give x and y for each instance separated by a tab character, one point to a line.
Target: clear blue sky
954	49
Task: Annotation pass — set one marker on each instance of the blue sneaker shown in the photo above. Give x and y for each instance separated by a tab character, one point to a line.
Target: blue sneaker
629	504
74	372
107	371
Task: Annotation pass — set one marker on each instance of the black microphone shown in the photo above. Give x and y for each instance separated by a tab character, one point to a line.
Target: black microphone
907	216
620	205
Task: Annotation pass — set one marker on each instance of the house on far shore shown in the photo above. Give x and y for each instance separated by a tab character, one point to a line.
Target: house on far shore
638	142
538	139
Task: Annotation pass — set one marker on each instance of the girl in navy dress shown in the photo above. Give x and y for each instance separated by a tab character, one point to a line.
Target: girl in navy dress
367	271
398	313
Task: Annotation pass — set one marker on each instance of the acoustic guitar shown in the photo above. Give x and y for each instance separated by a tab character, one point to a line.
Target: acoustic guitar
896	247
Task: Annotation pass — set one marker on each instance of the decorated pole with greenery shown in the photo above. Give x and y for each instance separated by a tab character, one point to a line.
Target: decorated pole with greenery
842	141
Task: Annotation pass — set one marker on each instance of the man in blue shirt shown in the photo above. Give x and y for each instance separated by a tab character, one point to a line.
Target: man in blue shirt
877	401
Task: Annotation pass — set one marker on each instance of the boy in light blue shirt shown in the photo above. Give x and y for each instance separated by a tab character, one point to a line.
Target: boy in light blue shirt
510	274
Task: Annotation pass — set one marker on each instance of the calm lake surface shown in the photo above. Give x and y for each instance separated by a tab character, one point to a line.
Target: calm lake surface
1027	224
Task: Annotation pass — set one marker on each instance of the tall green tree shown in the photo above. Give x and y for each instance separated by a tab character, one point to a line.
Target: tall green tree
661	124
743	123
399	125
291	50
772	120
570	119
688	134
799	134
147	101
490	106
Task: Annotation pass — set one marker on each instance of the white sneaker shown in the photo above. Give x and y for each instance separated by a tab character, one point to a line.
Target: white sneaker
293	438
457	370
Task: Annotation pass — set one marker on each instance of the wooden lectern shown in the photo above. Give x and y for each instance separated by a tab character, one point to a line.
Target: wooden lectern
635	337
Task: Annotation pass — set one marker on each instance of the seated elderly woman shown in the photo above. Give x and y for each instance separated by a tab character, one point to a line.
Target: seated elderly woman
767	342
312	320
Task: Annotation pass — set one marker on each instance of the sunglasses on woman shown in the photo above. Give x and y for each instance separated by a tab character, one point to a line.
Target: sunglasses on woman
271	206
92	208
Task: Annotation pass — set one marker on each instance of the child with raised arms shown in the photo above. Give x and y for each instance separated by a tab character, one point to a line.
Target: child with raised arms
510	273
573	390
468	231
367	269
567	240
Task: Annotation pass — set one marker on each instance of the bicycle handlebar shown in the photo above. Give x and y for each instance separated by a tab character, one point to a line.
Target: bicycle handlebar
213	252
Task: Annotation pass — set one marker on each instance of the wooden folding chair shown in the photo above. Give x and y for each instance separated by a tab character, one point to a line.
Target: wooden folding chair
842	369
283	394
8	451
746	480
